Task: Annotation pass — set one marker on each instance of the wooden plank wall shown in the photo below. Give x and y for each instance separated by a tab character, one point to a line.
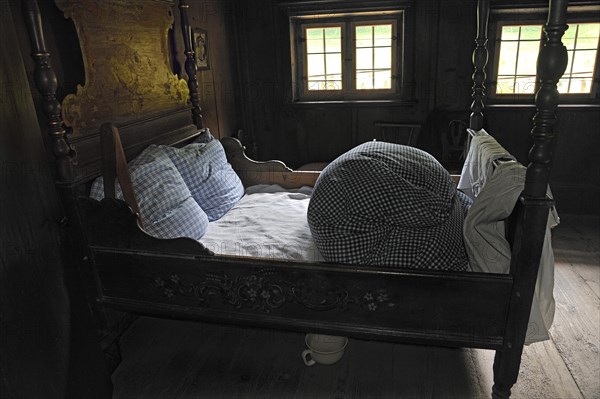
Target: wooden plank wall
443	41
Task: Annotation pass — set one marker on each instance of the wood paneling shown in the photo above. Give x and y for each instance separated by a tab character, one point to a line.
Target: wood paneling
444	40
218	83
303	133
575	176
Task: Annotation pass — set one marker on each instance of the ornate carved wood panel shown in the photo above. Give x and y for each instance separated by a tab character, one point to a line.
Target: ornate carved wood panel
125	52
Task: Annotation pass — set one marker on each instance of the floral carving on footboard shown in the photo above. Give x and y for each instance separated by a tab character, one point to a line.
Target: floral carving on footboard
268	289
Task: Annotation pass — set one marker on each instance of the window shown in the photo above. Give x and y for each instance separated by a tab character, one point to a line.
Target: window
347	56
581	41
519	46
373	56
324	58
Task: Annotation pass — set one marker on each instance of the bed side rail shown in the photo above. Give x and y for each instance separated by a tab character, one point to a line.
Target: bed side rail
465	309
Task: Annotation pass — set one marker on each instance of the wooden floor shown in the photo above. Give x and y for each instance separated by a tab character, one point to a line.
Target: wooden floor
174	359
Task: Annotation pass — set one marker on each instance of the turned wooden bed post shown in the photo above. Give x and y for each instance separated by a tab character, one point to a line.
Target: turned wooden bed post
533	216
190	65
480	59
47	83
552	63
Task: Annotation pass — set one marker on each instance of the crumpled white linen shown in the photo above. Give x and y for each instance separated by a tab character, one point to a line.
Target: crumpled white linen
498	185
478	165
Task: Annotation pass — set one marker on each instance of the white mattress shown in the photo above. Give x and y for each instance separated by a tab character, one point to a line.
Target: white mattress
268	222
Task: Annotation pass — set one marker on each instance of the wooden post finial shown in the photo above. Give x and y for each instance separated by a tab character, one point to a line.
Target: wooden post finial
551	64
480	59
47	83
190	65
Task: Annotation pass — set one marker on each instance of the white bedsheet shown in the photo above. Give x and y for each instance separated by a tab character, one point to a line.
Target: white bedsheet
268	222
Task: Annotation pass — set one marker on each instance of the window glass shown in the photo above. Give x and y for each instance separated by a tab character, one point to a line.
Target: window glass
582	47
324	58
347	56
373	57
519	49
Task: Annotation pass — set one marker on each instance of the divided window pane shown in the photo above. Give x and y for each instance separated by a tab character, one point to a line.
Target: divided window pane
324	58
519	49
348	56
373	56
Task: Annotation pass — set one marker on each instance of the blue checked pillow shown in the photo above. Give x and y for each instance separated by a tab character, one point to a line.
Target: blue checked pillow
166	205
389	205
210	178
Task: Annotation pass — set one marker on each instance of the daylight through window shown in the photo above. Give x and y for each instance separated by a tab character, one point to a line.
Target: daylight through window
347	56
581	41
373	57
324	58
519	48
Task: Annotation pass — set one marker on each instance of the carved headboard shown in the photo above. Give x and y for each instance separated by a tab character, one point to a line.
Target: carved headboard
128	73
129	81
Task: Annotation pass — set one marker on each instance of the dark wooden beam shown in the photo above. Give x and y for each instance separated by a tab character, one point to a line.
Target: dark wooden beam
47	83
552	62
533	215
480	59
190	65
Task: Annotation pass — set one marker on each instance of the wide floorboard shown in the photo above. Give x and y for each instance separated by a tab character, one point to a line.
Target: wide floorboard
177	359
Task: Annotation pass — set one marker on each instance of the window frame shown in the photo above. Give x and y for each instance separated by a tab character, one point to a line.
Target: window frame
536	16
348	21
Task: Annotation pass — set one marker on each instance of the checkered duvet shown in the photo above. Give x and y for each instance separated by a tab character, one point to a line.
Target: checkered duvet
389	205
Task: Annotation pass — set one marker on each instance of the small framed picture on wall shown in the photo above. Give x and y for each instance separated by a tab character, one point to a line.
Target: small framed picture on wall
200	37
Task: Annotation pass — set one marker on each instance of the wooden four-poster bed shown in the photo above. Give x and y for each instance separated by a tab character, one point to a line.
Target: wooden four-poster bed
124	268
